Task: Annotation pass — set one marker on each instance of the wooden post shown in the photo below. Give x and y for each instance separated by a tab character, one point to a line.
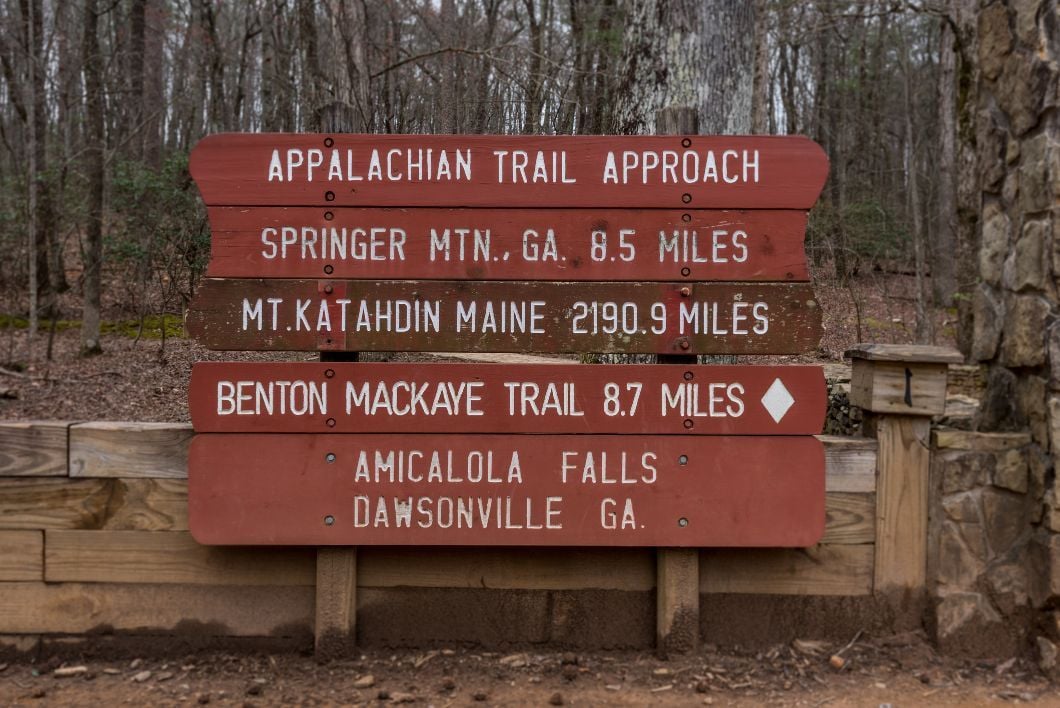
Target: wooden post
901	387
676	569
335	626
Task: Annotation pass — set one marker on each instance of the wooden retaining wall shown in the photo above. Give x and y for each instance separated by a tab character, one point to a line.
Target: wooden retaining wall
94	539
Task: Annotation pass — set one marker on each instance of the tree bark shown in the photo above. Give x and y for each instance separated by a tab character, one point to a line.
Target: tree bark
944	243
93	250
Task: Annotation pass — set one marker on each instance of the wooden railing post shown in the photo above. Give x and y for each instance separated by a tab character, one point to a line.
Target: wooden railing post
677	569
335	625
900	387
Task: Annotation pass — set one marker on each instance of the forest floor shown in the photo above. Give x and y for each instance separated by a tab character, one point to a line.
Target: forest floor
892	671
146	378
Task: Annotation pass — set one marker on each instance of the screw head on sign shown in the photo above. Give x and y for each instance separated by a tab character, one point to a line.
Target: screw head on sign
329	196
329	520
328	142
686	217
682	522
686	198
330	422
328	216
686	291
330	457
328	289
686	272
330	373
689	376
682	460
687	142
685	344
329	269
688	423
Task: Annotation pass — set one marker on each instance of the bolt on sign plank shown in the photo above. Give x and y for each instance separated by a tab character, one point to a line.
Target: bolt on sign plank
676	172
506	490
365	315
336	397
507	244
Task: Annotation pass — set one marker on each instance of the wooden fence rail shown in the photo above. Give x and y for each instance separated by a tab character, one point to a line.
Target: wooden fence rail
93	536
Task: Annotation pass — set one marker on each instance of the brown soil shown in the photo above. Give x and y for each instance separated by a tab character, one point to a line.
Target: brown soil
899	671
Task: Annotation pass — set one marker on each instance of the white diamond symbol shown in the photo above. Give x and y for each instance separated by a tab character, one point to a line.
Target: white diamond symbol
777	400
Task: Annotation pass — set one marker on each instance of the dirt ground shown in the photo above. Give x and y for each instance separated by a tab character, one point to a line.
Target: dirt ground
893	671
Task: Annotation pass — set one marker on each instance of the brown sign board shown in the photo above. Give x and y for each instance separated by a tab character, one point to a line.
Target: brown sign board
310	397
695	171
506	490
507	244
391	315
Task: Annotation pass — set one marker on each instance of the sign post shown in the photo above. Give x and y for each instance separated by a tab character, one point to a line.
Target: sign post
667	245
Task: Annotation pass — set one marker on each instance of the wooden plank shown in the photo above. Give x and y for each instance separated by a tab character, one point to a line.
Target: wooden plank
550	317
677	600
850	463
821	570
572	490
21	555
507	244
631	569
911	353
117	504
54	502
309	397
694	171
851	518
899	387
902	503
120	449
78	608
336	601
143	504
33	449
167	557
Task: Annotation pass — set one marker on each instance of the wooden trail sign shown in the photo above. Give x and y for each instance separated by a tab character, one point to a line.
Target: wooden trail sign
694	171
501	398
362	315
567	490
507	244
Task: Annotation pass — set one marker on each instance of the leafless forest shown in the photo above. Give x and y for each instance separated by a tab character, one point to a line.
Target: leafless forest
101	100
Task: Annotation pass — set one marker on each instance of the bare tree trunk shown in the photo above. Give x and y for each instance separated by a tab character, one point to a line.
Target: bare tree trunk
153	97
924	323
93	252
969	188
760	97
687	53
944	243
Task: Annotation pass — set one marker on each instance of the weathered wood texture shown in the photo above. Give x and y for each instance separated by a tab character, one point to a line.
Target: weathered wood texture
820	570
232	169
902	388
851	518
850	463
915	353
119	449
33	449
167	557
80	608
102	503
507	244
21	556
902	503
506	398
677	599
336	600
363	315
573	490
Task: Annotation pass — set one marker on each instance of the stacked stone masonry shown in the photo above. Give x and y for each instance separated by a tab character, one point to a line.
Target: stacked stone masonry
999	533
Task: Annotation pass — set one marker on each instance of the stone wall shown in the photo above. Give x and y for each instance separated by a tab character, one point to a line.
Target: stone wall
1000	508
